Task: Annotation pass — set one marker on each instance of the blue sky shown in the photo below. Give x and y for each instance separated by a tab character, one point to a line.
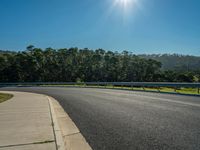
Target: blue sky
145	26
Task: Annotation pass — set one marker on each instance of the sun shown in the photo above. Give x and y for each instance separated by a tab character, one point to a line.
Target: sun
124	8
124	3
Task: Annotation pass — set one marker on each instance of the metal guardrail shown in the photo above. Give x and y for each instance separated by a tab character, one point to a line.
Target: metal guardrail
147	84
144	85
130	84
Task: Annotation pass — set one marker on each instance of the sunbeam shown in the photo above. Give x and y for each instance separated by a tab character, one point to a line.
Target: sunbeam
126	5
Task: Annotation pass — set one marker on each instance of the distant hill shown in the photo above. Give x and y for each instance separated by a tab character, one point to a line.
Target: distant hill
7	51
176	61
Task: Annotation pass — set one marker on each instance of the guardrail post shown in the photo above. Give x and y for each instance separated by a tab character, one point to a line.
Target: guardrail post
143	88
175	89
158	89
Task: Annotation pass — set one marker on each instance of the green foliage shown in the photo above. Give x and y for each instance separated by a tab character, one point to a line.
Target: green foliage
84	65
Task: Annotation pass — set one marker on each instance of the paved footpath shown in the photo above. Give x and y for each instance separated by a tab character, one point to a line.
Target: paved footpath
26	123
31	121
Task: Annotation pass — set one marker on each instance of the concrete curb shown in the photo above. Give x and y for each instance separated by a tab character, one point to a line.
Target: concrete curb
58	135
68	136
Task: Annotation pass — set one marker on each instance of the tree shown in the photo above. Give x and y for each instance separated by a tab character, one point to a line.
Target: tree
73	64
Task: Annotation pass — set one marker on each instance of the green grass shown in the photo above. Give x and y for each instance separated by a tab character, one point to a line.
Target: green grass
4	97
165	90
188	91
192	91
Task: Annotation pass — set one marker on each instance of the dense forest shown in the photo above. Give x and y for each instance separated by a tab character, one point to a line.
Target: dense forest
81	65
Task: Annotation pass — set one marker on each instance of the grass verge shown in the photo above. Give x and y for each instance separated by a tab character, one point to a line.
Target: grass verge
189	91
4	97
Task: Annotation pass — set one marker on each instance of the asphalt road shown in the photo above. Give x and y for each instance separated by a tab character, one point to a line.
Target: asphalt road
127	120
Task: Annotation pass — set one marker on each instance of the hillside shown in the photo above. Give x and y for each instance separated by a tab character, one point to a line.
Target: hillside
175	61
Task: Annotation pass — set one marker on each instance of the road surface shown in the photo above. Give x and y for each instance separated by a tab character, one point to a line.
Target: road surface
127	120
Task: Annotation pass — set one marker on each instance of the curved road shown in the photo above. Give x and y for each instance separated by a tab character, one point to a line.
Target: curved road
127	120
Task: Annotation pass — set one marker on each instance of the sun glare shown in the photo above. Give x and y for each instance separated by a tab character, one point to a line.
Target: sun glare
125	9
126	5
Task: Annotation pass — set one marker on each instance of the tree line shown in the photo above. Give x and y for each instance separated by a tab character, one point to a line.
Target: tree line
85	65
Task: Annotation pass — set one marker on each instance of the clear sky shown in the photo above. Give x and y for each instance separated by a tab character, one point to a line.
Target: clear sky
139	26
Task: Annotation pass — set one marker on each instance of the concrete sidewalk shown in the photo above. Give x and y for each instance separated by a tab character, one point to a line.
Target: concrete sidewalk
26	123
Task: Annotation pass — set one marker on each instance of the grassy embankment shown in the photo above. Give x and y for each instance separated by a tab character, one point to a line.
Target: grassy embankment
4	97
192	91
